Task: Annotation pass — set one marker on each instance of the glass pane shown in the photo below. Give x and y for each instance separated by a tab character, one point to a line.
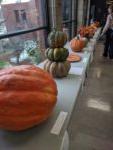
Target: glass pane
85	12
66	9
67	16
74	17
67	29
21	14
23	49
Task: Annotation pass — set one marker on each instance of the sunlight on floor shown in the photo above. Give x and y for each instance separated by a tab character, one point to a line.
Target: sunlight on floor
98	104
98	73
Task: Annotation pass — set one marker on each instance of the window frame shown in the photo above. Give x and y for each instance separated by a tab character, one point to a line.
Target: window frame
72	22
25	31
85	12
17	17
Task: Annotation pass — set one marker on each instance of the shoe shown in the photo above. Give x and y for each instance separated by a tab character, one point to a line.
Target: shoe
111	59
104	55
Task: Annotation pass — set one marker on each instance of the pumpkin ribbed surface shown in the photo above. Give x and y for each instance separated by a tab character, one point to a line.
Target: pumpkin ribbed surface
57	39
57	54
77	45
27	97
57	69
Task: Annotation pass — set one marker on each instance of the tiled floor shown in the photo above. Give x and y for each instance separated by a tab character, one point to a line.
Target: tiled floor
92	122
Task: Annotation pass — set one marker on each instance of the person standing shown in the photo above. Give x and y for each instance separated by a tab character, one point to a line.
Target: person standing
108	29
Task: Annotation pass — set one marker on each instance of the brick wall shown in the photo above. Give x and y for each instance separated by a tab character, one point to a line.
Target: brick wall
34	19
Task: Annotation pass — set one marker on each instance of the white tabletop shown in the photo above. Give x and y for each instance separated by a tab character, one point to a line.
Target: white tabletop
49	135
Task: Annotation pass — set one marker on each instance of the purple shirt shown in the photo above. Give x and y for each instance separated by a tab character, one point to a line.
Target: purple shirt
109	23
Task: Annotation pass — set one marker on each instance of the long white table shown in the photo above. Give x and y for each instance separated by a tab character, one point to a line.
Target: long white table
52	134
40	137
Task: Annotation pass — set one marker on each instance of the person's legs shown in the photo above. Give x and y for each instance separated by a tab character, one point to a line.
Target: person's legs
107	42
111	45
111	52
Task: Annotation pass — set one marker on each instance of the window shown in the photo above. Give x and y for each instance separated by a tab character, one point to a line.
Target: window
85	12
66	9
20	16
69	17
17	15
23	31
74	17
22	49
23	15
24	11
66	16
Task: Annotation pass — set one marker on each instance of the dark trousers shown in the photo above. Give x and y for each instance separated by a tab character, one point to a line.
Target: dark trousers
108	50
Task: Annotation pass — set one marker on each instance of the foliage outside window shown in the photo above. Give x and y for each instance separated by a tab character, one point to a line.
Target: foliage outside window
19	16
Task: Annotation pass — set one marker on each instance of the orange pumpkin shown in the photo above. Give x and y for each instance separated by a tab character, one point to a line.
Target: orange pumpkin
27	97
77	44
87	31
83	31
96	24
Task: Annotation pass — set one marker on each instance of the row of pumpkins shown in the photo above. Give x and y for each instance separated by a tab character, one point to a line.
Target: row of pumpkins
88	31
28	94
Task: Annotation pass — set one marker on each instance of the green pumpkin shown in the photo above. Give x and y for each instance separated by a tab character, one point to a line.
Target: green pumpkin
57	39
57	54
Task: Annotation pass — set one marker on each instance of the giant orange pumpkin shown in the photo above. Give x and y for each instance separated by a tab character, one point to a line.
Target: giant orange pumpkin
77	44
27	97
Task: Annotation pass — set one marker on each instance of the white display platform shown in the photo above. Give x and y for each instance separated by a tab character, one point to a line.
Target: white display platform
52	134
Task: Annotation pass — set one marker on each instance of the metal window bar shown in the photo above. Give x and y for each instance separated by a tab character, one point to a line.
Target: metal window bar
44	27
68	21
22	32
76	16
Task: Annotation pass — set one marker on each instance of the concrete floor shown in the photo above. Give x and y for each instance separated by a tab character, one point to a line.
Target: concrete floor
92	122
